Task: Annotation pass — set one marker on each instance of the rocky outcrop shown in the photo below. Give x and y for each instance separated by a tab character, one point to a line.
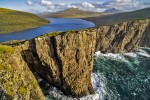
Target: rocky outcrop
124	37
16	80
145	41
65	59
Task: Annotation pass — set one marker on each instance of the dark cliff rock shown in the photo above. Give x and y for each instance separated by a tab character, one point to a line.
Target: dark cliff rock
145	41
65	59
120	38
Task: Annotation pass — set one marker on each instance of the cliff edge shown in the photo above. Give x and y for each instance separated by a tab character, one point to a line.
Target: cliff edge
65	59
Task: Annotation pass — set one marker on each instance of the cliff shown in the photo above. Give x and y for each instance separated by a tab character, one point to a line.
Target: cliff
65	59
124	37
145	41
16	80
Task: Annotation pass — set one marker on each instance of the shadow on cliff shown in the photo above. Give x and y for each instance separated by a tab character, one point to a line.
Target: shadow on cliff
4	95
37	67
145	41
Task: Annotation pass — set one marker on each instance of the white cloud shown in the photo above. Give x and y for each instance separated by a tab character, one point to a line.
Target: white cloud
72	6
100	9
45	3
125	5
30	3
87	5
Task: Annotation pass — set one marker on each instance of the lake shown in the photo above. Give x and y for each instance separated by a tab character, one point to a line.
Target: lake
57	24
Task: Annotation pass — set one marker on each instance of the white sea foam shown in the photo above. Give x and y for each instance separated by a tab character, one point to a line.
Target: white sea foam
143	53
98	80
109	55
140	52
132	54
99	85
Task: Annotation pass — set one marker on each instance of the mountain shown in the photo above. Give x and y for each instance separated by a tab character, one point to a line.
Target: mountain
72	13
12	20
120	17
113	11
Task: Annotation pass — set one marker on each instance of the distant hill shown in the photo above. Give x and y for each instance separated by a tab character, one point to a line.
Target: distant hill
121	17
72	13
12	20
113	11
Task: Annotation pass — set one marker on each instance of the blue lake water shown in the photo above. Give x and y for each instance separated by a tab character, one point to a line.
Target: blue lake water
57	24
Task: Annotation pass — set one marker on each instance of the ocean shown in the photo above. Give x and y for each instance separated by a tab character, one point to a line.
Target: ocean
115	77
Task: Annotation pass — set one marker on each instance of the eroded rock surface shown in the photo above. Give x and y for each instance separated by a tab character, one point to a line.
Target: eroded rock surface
120	38
16	80
65	59
145	41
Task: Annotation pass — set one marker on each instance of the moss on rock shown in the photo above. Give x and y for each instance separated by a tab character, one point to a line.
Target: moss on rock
6	49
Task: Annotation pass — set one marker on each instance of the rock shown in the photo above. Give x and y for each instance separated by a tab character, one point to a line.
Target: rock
75	55
16	80
145	41
120	38
64	59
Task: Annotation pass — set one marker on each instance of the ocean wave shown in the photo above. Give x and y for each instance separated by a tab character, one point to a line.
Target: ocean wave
140	52
108	68
99	85
127	74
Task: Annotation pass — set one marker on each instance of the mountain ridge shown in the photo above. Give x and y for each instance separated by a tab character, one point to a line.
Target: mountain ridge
72	13
120	17
113	11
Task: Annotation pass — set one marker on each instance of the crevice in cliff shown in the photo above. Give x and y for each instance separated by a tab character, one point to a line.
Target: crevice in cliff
145	40
109	31
4	95
97	46
59	62
28	54
33	61
77	55
118	38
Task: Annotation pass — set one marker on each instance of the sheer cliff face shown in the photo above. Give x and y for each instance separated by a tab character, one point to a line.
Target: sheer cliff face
119	38
145	41
66	60
16	80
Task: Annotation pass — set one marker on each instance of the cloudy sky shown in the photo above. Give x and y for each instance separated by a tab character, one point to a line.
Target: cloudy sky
39	6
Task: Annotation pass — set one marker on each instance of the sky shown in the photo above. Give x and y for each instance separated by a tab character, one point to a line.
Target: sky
40	6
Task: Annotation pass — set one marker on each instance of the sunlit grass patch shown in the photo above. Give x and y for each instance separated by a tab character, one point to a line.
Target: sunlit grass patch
6	49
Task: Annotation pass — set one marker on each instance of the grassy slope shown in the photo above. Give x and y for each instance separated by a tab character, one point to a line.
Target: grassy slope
11	20
121	17
72	13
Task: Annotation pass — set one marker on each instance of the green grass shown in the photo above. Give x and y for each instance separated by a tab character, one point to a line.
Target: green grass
6	49
22	90
12	20
60	33
72	13
51	34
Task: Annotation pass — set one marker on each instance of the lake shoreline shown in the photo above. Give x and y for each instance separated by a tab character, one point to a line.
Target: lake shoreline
57	24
